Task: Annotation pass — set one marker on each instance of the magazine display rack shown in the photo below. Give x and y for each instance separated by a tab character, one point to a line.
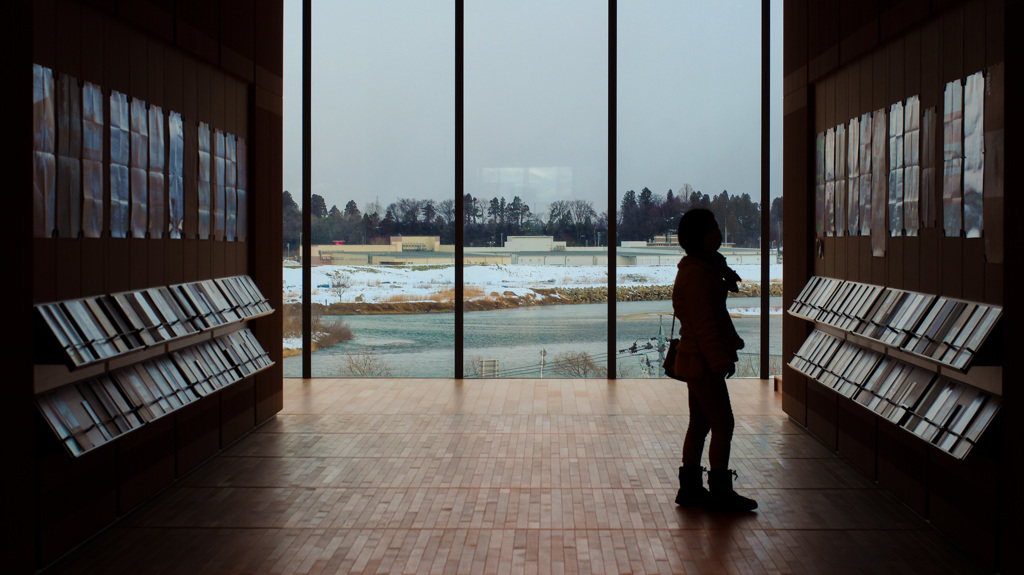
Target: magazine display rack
904	355
130	358
97	329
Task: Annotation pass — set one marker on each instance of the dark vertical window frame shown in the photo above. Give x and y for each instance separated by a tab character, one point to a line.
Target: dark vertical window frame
766	224
307	188
460	218
612	204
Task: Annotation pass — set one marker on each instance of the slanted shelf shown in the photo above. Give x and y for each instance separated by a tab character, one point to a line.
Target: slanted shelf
901	355
939	330
89	413
97	329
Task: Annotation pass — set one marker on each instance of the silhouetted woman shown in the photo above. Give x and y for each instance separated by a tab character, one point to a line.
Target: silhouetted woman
706	356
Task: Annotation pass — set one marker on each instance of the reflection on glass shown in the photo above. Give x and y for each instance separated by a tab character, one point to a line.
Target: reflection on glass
382	198
536	146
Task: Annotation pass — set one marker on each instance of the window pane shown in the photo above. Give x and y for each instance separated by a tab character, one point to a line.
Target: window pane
291	175
383	181
775	235
689	117
536	77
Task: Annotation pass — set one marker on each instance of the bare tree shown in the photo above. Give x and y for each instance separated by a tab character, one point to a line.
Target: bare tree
577	364
365	365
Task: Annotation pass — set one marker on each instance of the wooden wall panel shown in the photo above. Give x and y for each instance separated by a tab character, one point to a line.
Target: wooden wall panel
94	266
952	43
217	251
853	258
900	16
822	413
69	268
75	497
237	411
266	189
145	463
974	269
92	48
858	28
138	72
903	466
155	17
20	414
156	263
952	266
974	36
238	38
69	38
994	284
138	263
962	502
190	251
864	255
996	21
197	433
798	150
856	436
912	263
196	29
118	264
269	51
1011	420
136	48
894	261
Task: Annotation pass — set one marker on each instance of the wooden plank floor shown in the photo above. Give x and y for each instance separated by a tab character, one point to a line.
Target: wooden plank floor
512	476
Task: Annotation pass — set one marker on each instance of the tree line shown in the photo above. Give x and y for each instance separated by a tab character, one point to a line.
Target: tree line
486	222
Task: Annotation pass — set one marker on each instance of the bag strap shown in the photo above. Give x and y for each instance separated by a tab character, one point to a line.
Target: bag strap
672	329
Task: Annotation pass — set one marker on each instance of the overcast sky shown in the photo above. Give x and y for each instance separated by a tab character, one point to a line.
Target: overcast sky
535	99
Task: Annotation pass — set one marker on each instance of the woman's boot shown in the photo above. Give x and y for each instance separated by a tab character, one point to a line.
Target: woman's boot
691	487
722	497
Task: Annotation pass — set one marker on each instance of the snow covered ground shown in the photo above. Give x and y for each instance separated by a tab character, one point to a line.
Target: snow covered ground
373	284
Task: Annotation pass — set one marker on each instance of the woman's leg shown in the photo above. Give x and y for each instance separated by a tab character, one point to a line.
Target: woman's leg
711	397
696	431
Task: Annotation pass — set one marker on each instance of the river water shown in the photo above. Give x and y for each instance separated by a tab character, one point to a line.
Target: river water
422	345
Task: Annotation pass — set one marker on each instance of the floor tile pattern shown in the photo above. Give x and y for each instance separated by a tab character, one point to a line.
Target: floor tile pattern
512	476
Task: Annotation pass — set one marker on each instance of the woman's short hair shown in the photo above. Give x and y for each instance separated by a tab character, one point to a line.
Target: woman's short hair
693	226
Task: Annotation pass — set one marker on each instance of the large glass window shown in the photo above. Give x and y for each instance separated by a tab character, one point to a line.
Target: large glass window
382	197
689	118
533	103
291	176
536	148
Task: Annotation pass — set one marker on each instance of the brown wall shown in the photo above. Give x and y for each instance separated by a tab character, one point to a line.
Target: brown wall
843	59
216	61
